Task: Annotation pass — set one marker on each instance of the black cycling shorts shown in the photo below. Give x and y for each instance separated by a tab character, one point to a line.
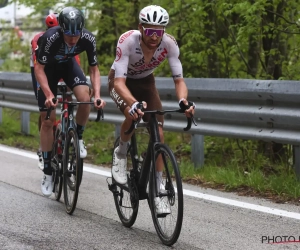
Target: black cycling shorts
69	71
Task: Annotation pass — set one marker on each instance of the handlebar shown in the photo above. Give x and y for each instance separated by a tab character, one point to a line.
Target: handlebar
161	112
100	113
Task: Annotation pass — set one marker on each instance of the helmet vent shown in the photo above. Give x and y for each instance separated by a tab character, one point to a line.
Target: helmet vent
154	16
159	21
148	17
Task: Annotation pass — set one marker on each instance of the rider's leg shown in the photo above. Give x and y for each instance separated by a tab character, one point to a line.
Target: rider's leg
46	140
76	80
35	87
46	132
150	94
81	93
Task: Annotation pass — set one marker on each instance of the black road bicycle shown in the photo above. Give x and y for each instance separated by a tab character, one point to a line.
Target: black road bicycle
142	182
65	159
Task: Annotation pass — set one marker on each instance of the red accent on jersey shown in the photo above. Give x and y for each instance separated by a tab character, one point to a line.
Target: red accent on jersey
34	45
118	54
127	34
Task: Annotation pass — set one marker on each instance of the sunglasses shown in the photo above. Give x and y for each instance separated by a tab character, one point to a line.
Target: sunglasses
69	33
151	32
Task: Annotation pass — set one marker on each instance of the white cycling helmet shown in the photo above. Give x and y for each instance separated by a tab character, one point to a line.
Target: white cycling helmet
155	15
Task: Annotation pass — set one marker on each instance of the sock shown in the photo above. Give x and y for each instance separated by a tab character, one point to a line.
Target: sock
80	130
158	179
122	148
47	162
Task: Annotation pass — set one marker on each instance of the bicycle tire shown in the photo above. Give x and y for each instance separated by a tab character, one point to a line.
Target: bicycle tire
56	164
128	212
72	171
167	233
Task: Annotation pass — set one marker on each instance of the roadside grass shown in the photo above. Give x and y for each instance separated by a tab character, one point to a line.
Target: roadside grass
229	165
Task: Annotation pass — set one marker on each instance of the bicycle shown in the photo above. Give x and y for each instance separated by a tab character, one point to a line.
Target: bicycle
65	159
141	172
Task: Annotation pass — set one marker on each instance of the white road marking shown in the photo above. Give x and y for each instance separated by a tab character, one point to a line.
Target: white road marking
93	169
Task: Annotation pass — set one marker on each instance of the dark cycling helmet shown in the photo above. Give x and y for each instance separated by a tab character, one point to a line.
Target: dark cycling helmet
51	20
71	21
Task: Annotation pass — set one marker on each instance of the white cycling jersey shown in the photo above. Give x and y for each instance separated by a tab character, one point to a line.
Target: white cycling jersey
130	62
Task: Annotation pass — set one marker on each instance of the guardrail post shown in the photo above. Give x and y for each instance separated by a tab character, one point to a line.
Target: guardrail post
296	160
1	115
197	150
25	122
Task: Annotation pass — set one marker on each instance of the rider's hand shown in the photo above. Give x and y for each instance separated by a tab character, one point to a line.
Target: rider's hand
189	107
49	102
135	110
96	103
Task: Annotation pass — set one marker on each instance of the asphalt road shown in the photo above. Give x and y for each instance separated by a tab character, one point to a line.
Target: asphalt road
212	220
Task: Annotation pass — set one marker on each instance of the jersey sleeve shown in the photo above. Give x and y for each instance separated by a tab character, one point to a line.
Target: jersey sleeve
122	55
46	49
173	58
91	48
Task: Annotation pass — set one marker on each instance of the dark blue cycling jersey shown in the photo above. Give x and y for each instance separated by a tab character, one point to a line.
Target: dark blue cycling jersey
52	49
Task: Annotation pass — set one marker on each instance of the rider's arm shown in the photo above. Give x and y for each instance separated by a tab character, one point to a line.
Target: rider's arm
176	68
180	88
91	52
124	48
42	79
95	80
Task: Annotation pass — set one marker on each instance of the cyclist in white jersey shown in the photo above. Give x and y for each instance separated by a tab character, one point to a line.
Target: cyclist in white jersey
131	81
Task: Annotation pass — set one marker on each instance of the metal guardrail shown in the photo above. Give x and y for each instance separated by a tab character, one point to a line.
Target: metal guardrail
265	110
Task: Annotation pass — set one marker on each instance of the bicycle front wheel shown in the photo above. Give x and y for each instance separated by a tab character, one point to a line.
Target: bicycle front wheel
72	171
56	163
126	199
167	188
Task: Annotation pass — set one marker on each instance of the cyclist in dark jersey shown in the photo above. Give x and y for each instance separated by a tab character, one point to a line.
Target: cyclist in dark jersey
51	21
55	54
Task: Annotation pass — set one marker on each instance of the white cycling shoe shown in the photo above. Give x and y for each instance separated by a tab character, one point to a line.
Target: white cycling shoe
82	149
118	169
162	205
47	185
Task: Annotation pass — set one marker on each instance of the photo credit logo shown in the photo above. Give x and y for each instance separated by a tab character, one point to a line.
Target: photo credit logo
280	239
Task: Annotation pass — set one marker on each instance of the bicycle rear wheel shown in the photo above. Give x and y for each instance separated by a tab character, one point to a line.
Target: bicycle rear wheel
167	226
72	171
126	199
56	163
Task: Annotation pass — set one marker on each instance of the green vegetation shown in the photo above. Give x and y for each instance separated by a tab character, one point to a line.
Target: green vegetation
227	167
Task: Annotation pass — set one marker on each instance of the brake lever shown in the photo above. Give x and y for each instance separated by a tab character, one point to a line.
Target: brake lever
189	123
50	109
133	126
100	112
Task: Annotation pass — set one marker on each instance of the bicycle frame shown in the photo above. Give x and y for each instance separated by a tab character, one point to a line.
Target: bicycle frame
64	115
154	139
